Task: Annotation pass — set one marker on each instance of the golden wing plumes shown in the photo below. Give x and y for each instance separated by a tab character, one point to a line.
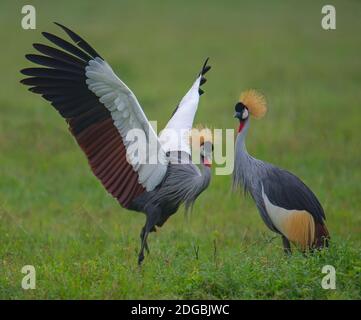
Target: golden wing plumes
255	102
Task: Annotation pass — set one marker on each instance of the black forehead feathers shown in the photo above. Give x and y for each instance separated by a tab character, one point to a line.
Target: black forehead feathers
239	107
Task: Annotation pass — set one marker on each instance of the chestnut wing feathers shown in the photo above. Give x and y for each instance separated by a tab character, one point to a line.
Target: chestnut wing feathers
99	109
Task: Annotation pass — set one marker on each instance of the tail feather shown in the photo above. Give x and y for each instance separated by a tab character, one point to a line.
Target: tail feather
322	236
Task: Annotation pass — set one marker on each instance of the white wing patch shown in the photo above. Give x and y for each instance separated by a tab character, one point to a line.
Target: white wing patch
127	115
175	136
277	214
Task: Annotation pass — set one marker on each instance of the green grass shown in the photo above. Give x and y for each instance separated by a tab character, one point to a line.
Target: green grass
56	216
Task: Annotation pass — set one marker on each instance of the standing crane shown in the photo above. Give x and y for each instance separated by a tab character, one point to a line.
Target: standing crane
286	204
101	111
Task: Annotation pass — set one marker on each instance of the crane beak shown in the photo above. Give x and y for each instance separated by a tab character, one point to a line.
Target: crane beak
238	115
207	163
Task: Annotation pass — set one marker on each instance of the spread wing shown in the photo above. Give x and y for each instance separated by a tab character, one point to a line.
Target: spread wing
101	111
182	118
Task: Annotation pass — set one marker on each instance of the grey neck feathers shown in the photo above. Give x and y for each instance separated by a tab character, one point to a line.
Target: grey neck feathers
244	164
206	174
198	186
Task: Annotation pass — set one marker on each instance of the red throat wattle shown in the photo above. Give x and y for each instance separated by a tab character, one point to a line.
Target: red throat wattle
241	125
206	163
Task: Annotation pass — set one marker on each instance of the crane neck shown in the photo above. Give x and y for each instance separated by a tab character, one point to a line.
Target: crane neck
205	170
243	161
206	174
241	139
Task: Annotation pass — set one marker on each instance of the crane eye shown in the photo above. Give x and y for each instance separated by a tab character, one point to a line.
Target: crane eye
245	114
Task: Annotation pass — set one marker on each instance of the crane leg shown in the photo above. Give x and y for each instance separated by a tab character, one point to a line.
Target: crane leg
142	233
149	226
141	240
286	245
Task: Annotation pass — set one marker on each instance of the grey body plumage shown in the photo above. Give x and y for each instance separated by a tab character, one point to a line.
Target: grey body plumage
182	184
249	173
281	188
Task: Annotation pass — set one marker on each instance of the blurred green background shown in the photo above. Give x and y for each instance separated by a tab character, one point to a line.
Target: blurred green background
55	215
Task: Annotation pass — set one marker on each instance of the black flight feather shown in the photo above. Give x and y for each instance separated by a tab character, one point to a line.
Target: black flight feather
53	73
39	81
80	41
58	54
67	46
54	63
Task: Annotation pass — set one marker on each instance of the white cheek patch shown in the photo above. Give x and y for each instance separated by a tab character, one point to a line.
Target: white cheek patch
245	114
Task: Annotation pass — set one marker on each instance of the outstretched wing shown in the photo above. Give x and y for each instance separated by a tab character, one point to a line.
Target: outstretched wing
100	110
182	118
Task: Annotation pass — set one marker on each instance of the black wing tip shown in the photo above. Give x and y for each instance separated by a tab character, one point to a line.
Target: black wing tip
205	62
48	35
70	32
24	71
205	67
37	45
66	29
25	82
29	56
59	25
79	41
32	57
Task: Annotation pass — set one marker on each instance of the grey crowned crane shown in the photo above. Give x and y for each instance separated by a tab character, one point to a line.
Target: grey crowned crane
286	204
101	111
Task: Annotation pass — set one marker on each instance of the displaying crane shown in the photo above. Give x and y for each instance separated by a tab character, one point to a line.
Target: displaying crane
101	111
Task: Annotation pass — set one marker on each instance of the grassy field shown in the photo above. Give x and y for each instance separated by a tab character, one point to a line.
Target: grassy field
55	215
